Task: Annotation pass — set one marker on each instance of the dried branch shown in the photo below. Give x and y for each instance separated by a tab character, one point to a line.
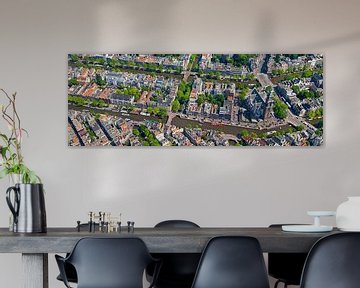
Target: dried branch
12	159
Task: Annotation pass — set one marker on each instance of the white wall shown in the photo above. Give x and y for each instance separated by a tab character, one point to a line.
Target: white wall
212	186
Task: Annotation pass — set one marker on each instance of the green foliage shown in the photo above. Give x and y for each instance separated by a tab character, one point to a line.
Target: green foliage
283	132
72	82
201	99
217	58
154	98
26	175
320	124
244	133
156	110
90	132
99	80
280	109
74	58
275	72
242	59
77	100
79	64
317	113
268	89
162	113
217	99
250	76
262	135
97	61
300	128
243	91
98	103
80	101
183	93
150	110
175	106
150	67
319	132
132	91
294	56
305	94
194	62
307	73
213	99
291	76
146	137
136	132
214	75
296	89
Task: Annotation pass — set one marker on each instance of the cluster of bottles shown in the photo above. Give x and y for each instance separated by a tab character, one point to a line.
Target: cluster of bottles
103	222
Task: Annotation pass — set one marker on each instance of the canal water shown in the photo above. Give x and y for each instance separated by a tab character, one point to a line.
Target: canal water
179	122
227	129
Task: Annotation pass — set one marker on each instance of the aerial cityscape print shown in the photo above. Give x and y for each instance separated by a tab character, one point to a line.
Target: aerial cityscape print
195	100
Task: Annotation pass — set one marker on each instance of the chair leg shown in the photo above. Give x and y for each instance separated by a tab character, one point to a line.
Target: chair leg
278	282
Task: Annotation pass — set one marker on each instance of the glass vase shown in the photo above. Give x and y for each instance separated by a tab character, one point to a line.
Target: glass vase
13	179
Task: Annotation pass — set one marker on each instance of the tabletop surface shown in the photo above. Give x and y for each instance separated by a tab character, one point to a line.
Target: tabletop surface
158	240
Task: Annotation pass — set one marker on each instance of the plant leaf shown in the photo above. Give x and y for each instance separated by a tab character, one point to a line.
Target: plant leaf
3	151
4	137
26	132
4	172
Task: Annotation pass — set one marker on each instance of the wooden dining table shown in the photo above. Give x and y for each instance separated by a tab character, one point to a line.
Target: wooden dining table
35	247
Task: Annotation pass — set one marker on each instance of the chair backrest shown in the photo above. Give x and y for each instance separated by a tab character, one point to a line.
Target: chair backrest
232	262
333	262
177	268
110	262
176	224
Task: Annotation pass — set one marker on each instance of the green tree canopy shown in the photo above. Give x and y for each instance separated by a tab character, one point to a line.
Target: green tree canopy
175	106
280	109
99	80
162	113
72	82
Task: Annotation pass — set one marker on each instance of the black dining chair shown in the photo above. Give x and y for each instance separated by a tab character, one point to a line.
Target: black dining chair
70	271
286	267
333	262
232	262
108	263
178	269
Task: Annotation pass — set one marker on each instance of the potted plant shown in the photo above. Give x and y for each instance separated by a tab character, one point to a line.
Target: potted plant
26	197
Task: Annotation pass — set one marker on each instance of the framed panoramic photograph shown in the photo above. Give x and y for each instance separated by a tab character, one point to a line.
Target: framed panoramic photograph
195	100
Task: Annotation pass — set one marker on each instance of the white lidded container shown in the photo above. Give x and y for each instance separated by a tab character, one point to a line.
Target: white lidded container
348	214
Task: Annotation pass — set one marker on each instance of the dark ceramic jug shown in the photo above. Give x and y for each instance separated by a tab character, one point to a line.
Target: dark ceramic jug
28	208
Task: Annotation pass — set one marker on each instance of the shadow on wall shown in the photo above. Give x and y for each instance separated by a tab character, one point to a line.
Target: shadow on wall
329	43
265	32
136	26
